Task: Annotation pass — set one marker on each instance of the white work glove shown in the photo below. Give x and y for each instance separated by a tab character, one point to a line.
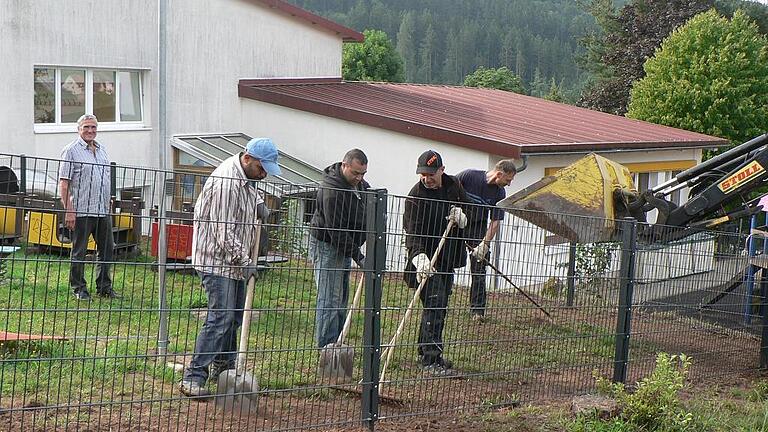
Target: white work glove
424	268
481	251
458	217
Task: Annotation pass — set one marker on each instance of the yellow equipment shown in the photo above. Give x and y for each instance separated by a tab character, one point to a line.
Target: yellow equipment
37	202
578	202
47	230
9	227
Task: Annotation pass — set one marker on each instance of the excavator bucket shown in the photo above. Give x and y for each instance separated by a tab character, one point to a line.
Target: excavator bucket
576	203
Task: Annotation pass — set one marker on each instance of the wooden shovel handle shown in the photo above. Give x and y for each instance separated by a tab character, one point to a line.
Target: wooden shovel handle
355	302
391	348
247	307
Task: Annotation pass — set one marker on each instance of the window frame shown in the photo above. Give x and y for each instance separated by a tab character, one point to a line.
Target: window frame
58	126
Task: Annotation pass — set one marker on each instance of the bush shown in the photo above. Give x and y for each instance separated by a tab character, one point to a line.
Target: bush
654	405
592	261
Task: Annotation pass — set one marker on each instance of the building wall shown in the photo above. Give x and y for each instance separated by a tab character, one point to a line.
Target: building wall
109	34
321	141
212	45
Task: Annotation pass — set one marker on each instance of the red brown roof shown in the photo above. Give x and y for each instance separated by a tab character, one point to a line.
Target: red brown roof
493	121
346	33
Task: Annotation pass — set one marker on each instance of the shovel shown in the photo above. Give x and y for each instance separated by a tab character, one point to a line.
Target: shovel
336	358
238	390
387	354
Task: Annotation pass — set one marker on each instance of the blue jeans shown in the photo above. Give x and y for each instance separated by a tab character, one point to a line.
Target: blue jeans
217	340
332	280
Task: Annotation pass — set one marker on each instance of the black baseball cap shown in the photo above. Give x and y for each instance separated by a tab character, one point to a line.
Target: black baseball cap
429	162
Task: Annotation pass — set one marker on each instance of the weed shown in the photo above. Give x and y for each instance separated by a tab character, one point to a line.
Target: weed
585	424
592	261
654	404
759	392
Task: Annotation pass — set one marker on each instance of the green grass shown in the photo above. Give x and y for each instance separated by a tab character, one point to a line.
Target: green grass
111	348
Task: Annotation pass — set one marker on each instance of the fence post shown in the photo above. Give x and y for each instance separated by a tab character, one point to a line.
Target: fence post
375	265
764	310
571	274
162	258
23	174
20	197
626	286
113	180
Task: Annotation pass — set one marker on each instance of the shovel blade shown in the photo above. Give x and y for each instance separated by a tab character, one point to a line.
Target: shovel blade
237	393
335	363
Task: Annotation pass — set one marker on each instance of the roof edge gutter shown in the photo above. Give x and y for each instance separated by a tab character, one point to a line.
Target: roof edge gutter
381	122
614	150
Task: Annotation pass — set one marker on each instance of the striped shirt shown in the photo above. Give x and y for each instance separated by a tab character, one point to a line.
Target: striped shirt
225	221
88	175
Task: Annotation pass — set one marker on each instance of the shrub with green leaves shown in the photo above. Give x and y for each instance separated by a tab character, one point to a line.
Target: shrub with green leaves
655	402
592	261
709	76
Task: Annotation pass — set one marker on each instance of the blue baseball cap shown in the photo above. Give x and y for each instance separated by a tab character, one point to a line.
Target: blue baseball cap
265	151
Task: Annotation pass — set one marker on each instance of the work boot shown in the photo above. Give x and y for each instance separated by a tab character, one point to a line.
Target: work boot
193	389
109	294
217	367
82	295
438	367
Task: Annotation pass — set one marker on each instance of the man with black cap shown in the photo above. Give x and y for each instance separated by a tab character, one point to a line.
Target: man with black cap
336	234
432	203
484	188
223	237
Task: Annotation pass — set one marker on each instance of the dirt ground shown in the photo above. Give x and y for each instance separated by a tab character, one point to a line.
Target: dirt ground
720	356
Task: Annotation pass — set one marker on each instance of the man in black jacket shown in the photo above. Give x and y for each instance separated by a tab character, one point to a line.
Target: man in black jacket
430	205
336	234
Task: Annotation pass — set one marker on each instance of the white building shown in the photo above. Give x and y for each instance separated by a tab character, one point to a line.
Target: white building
80	56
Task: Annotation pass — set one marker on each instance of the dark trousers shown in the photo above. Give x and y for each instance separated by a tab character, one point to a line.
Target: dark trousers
101	229
434	300
477	295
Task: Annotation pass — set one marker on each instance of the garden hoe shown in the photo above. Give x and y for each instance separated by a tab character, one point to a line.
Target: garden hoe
336	359
238	389
506	278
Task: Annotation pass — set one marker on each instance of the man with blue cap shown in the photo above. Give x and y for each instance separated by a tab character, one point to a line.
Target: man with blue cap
224	236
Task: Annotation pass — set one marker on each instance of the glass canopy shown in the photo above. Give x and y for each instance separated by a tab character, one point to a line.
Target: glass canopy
298	177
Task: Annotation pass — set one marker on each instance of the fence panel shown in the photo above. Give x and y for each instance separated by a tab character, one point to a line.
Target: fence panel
690	297
549	323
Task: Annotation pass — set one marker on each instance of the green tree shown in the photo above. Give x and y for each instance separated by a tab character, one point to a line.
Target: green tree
538	85
406	45
501	79
615	53
427	54
709	76
555	94
373	60
451	73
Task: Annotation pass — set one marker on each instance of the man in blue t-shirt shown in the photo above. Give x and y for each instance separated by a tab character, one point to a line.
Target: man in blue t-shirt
484	189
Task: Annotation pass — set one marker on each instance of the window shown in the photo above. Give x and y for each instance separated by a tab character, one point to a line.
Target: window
675	196
62	95
642	181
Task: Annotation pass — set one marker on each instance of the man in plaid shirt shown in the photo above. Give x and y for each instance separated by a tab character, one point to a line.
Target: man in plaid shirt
224	236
